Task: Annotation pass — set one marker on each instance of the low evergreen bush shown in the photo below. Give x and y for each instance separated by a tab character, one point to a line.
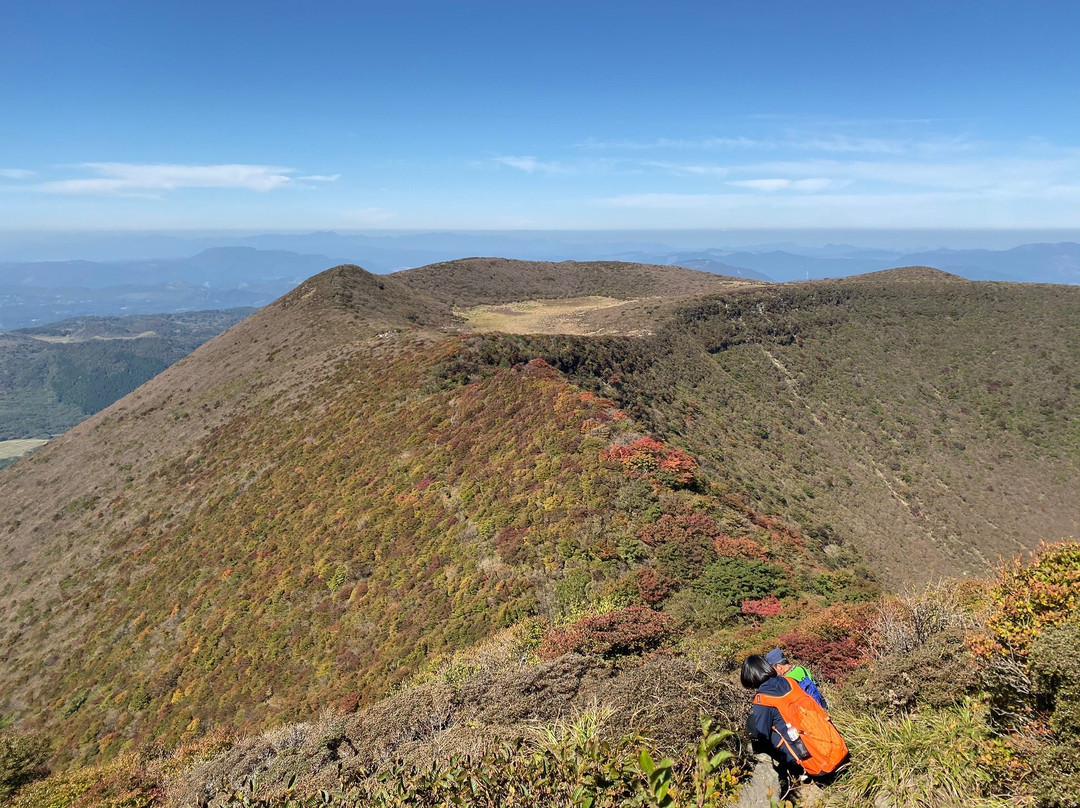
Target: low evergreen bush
22	759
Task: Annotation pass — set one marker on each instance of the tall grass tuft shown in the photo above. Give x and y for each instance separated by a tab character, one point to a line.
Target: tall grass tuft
926	759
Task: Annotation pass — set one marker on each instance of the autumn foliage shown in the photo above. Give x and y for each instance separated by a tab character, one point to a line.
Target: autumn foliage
654	585
769	606
833	641
1030	597
632	630
645	457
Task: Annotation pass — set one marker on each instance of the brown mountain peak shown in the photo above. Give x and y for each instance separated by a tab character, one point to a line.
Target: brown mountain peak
913	274
353	290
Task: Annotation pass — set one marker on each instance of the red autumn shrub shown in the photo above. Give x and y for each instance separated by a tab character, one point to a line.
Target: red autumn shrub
510	545
662	530
833	641
653	585
698	525
684	528
632	630
829	659
768	606
741	547
348	703
648	456
677	466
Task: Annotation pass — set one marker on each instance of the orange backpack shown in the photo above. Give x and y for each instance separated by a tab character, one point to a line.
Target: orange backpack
826	748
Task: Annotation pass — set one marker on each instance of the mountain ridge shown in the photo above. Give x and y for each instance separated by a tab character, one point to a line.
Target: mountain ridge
346	483
476	281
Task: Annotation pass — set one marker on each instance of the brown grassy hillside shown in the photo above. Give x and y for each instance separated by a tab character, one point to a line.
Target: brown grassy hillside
313	505
933	423
476	281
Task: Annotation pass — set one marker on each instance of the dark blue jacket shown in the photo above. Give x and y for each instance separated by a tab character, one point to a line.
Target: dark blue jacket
765	723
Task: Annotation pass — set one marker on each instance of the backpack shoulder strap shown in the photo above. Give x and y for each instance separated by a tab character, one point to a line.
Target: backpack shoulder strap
767	701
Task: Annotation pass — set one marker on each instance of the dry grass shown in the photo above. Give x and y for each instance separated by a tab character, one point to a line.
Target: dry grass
568	316
17	448
664	697
909	621
927	759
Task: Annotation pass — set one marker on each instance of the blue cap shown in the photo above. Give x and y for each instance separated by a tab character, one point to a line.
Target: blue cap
776	657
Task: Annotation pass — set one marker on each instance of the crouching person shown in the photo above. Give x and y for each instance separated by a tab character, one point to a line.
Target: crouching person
800	674
790	726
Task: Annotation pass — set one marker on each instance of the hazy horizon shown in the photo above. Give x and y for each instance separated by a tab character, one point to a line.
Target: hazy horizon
107	245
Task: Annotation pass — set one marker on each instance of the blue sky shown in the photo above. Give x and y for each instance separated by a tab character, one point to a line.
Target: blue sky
553	115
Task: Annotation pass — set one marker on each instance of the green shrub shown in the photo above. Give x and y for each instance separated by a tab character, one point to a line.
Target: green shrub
1054	661
1055	778
22	759
731	580
701	611
572	590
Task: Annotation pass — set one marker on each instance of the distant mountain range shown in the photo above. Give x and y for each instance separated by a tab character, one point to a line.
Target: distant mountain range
36	293
1028	263
252	271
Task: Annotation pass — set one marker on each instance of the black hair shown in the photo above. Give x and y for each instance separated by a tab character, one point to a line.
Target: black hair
755	672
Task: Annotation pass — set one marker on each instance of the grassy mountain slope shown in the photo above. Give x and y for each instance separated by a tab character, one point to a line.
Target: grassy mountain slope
313	505
932	422
477	281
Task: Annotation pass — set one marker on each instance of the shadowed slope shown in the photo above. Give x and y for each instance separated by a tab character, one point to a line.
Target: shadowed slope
932	424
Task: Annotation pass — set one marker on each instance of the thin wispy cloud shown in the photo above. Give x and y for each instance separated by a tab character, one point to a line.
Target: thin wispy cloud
975	175
15	174
320	177
794	140
156	178
531	165
1052	207
689	169
812	184
677	143
846	144
860	182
